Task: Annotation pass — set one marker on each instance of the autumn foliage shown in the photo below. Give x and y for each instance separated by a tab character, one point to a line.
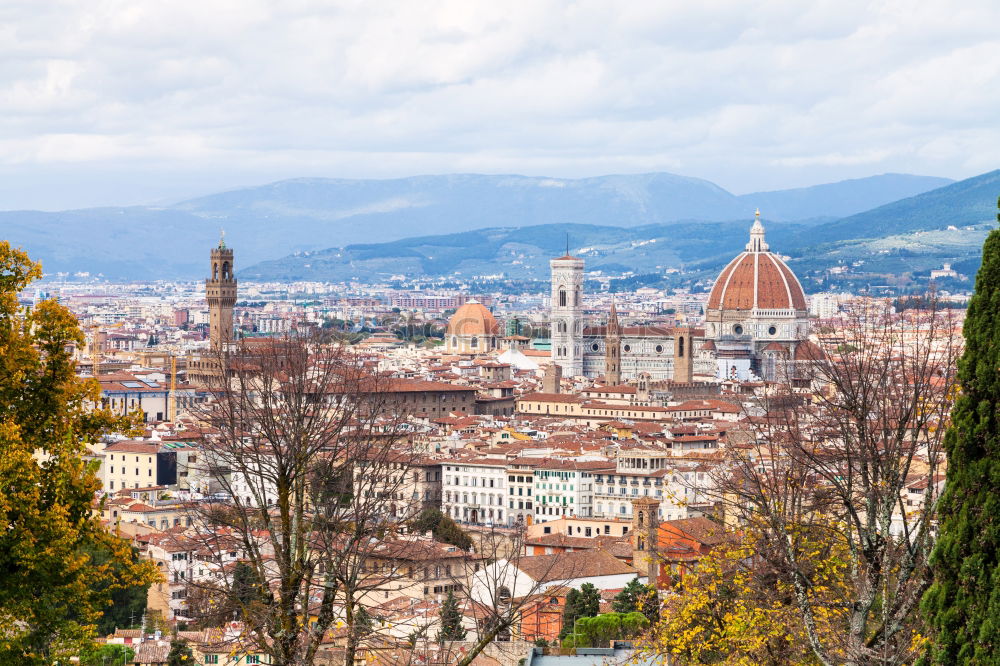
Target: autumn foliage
51	590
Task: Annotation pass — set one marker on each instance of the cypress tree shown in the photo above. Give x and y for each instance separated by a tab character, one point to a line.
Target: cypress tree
589	602
571	611
962	605
451	621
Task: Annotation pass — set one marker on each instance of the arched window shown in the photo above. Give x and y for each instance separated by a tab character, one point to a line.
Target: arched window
680	347
225	270
562	298
215	271
576	297
475	342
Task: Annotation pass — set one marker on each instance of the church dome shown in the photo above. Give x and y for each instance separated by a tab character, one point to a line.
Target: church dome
757	279
473	319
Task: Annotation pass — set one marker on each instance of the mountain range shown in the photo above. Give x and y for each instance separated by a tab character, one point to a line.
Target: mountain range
277	229
906	237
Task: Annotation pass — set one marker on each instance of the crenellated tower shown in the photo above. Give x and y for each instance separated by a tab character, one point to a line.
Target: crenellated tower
220	292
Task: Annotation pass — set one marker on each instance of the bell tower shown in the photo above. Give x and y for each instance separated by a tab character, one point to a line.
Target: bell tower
220	292
646	537
613	349
683	367
566	316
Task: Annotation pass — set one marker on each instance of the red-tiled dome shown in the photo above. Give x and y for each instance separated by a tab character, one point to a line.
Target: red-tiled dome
473	319
757	278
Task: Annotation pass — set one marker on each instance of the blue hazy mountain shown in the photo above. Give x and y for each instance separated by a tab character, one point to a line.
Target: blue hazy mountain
969	201
912	235
305	215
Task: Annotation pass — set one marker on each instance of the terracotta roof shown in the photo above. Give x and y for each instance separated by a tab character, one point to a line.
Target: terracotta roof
808	351
551	397
151	653
128	633
132	446
568	566
702	530
421	385
617	388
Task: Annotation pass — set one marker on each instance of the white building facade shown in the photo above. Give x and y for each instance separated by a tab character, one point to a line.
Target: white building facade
475	491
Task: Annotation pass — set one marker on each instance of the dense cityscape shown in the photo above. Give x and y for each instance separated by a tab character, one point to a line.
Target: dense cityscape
530	449
465	333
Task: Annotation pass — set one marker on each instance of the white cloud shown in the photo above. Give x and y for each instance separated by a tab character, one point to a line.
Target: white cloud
753	95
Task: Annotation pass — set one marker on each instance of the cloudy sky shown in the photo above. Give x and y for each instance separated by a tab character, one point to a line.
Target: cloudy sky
134	101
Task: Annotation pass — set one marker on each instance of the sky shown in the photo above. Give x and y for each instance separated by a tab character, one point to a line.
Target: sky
120	102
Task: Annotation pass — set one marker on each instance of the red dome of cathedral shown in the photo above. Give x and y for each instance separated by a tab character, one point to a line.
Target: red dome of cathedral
757	278
473	319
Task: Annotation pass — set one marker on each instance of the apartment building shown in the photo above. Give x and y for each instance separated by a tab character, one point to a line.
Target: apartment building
475	491
138	464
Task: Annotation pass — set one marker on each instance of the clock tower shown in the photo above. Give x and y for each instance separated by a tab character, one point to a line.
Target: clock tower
220	292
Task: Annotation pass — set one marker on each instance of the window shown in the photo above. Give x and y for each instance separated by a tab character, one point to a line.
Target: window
562	297
253	659
211	658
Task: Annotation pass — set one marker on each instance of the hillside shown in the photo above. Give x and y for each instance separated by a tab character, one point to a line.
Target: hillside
967	202
279	219
910	236
521	252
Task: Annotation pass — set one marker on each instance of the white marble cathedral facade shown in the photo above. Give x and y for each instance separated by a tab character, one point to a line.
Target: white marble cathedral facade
756	324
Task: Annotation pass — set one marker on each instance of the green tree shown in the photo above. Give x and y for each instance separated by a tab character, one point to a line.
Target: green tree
585	602
451	621
128	603
52	588
589	602
246	584
571	611
180	654
600	630
962	605
637	597
442	527
107	655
